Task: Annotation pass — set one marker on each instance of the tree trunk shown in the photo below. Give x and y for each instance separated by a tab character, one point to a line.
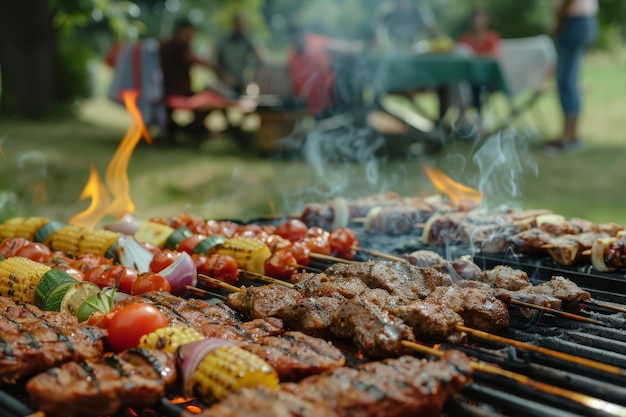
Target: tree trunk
28	58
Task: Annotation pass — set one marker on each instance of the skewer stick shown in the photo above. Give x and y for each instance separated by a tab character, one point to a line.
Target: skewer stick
565	314
605	305
381	254
322	257
544	351
586	252
547	246
480	366
265	278
218	283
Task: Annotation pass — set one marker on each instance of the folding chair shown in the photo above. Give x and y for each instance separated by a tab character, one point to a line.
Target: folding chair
527	63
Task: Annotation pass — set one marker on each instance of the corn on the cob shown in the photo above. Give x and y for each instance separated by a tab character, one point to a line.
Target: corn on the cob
170	338
27	281
249	253
75	240
226	369
25	227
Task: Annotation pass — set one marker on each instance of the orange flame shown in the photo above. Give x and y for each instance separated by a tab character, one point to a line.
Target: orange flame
194	409
116	174
458	193
437	346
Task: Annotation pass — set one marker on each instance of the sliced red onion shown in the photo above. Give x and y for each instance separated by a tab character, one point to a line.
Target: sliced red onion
181	273
127	225
191	354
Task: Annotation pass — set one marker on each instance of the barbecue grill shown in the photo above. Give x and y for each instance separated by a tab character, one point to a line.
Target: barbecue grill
598	336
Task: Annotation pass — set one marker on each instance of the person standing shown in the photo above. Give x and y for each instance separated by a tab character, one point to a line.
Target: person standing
576	27
235	55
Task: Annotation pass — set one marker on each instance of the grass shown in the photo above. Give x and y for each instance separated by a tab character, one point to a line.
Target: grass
46	165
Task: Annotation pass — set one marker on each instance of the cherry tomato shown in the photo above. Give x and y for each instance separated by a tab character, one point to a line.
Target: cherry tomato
341	241
112	276
228	229
222	267
301	252
59	259
318	245
277	243
248	230
150	247
149	281
34	251
75	273
281	265
189	244
317	232
130	323
125	281
207	228
10	246
162	260
292	230
90	260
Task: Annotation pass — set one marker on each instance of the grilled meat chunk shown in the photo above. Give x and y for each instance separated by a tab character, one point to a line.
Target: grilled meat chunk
397	220
565	290
397	278
266	402
567	249
263	301
375	331
32	340
134	378
423	258
479	309
505	277
397	387
311	315
337	286
295	355
245	332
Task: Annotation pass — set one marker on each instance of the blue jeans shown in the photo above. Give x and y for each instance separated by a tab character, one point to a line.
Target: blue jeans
574	37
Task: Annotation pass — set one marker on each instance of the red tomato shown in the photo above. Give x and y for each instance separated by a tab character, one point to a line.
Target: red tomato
317	232
152	248
292	230
130	323
34	251
190	243
112	276
341	241
75	273
59	259
10	246
162	260
90	260
277	243
318	245
228	229
126	281
222	267
208	228
281	265
149	281
248	230
301	252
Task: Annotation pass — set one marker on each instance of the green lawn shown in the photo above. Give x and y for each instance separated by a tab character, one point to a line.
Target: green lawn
46	165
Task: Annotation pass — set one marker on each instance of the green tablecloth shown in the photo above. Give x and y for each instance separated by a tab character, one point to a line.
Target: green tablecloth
399	73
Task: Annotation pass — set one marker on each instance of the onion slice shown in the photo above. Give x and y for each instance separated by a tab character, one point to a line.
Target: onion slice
181	273
127	225
597	253
341	213
371	215
132	255
427	226
191	354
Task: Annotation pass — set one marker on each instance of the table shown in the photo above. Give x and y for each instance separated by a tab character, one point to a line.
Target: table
399	73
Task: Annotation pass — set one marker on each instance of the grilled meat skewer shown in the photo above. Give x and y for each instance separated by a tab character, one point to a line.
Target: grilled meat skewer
32	340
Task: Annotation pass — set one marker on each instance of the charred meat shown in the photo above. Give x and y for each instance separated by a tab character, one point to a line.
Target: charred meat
263	301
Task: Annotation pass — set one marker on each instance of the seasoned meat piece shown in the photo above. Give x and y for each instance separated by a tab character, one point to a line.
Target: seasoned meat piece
331	286
611	229
423	258
398	387
465	267
295	355
479	309
32	340
505	277
531	241
135	378
300	276
397	278
318	215
565	290
266	402
186	312
245	332
396	220
311	315
567	249
374	331
544	300
263	301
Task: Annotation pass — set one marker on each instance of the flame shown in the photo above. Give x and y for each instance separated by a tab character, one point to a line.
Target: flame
458	193
437	346
194	409
116	176
99	201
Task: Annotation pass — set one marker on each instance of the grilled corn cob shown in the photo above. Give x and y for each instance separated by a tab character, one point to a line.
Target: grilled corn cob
249	253
75	240
170	338
27	281
25	227
225	369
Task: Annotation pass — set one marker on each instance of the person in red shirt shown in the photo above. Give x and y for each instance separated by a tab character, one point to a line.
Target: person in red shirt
482	41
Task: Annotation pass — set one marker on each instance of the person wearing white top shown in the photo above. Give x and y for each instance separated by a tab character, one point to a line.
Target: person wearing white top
576	27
